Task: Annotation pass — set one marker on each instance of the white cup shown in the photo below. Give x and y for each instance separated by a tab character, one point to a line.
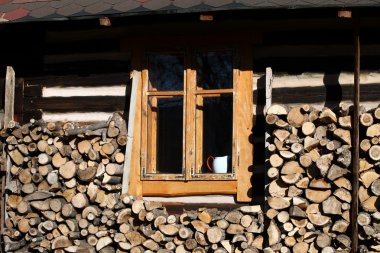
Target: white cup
219	164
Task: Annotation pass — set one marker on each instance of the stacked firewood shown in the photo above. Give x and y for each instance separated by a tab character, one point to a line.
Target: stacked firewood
369	179
309	188
64	196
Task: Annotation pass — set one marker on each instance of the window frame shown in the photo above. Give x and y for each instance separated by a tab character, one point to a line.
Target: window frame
192	145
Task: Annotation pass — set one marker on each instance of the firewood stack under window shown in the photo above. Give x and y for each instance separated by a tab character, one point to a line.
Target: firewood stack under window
309	188
369	181
64	195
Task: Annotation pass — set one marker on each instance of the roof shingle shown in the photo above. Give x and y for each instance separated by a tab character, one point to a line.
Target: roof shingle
46	10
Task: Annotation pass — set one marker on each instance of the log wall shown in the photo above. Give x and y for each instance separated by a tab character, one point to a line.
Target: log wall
75	98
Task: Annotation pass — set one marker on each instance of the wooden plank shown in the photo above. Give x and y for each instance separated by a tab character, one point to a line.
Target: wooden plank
130	134
80	104
9	95
268	103
244	125
164	93
10	84
220	91
135	184
180	188
111	79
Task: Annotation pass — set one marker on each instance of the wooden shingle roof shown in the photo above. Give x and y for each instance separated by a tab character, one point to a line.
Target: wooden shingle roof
48	10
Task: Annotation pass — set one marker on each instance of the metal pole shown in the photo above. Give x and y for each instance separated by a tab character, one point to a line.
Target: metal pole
355	165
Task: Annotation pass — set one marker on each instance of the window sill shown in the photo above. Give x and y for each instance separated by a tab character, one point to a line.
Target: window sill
178	188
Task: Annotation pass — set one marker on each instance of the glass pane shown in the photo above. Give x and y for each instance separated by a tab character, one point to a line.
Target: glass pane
167	151
215	70
217	134
166	72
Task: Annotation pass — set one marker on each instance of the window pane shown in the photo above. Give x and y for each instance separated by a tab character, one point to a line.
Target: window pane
168	114
166	72
217	131
214	70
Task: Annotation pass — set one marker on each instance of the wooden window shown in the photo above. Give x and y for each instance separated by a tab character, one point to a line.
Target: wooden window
195	104
188	101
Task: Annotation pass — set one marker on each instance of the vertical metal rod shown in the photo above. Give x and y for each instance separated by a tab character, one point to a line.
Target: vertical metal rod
355	165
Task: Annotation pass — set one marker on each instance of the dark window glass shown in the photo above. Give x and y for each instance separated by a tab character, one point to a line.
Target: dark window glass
166	72
169	116
214	70
217	129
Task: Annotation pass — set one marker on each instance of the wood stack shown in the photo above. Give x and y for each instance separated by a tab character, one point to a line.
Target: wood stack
64	196
61	176
309	190
369	181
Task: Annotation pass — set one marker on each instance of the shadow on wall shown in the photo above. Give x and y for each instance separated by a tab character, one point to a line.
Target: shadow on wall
258	179
334	93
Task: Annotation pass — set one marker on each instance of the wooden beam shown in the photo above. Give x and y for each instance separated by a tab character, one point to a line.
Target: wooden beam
356	141
180	188
131	125
244	125
10	83
135	184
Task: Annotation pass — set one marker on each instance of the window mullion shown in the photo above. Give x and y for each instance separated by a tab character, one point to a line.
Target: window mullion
189	125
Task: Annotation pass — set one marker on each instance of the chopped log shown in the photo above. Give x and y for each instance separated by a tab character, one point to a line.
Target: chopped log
61	242
279	203
374	153
274	234
310	143
317	196
295	117
364	219
340	226
68	170
58	160
323	241
214	234
343	135
168	229
275	160
343	194
371	204
276	109
366	119
373	131
103	242
271	119
336	172
327	116
332	206
368	177
86	174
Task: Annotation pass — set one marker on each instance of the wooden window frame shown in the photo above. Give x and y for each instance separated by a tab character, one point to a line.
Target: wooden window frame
192	146
241	187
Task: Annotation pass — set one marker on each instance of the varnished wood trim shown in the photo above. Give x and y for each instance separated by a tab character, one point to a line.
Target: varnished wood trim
174	188
164	93
220	91
244	125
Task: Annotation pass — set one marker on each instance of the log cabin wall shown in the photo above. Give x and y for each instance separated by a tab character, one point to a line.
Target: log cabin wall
311	54
324	70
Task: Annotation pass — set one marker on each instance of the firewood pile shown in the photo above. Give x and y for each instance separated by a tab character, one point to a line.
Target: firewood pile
64	196
369	181
309	188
